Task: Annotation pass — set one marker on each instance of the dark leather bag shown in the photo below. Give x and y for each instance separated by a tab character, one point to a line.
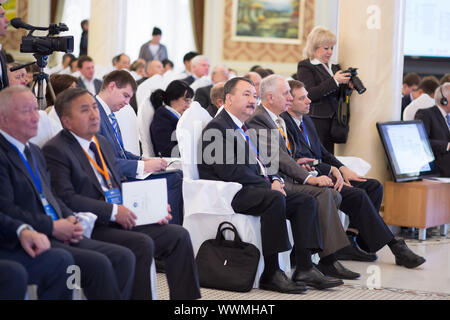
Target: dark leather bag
339	123
227	264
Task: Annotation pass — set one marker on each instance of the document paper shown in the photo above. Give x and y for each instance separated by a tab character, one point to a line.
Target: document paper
147	199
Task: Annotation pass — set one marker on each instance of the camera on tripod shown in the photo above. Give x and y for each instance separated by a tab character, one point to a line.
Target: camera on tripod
357	83
44	45
41	48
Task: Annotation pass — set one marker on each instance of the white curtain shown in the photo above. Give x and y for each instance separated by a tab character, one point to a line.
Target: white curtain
74	12
172	17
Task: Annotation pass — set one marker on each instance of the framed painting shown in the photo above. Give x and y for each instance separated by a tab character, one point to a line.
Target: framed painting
274	21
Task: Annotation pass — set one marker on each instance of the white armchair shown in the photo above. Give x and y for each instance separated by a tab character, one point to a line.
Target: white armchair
145	116
208	203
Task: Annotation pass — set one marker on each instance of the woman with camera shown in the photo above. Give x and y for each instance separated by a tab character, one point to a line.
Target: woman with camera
323	81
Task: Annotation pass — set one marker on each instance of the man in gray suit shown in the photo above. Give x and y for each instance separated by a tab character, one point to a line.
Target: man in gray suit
275	99
153	49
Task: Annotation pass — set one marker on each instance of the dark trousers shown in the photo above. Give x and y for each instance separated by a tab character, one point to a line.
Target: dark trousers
48	271
174	193
362	204
274	208
323	127
170	243
107	270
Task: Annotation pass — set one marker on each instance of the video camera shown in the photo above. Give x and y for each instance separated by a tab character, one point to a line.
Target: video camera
357	83
46	45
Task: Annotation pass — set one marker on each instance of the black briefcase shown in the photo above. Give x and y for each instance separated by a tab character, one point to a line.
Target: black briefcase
227	264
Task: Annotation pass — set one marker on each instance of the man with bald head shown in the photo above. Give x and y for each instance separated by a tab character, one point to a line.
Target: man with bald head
202	95
216	96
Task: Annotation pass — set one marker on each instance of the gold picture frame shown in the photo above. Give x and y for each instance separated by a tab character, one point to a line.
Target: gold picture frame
269	21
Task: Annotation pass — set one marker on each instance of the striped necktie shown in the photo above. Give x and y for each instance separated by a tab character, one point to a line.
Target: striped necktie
116	128
282	128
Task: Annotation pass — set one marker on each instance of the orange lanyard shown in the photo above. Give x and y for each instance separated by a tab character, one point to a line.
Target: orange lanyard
285	138
104	172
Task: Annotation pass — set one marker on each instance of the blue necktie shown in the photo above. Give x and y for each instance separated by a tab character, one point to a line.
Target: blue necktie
448	119
116	128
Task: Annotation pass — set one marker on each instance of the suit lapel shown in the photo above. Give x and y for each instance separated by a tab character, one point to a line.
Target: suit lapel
110	164
441	120
83	160
313	138
16	161
4	82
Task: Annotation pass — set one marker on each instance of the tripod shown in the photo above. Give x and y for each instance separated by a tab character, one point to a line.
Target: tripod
38	78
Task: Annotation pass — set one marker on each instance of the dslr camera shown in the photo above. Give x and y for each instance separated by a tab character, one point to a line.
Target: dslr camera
357	83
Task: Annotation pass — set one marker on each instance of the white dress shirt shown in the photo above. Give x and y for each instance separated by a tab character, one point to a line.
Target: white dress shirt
89	84
422	102
274	118
327	67
141	165
239	123
85	145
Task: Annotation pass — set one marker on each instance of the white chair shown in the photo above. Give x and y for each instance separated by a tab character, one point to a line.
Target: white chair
146	88
145	117
208	203
128	123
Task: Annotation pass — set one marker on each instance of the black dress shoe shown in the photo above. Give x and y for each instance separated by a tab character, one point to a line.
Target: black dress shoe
354	252
281	283
337	270
404	256
316	279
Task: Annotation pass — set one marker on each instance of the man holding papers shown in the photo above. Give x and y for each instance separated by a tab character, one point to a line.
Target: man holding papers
84	175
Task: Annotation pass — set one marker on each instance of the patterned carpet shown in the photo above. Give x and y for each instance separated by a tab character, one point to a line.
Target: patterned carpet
345	292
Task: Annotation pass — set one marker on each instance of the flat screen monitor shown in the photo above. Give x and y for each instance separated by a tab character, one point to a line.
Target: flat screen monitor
408	150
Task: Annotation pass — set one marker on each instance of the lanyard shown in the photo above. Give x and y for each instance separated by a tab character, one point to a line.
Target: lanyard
248	140
35	177
104	172
285	137
305	133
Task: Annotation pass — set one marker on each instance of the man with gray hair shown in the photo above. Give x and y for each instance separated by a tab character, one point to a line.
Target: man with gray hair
200	68
275	99
437	125
220	73
106	270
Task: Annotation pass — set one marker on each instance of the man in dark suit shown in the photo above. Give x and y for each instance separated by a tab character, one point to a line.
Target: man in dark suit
261	194
216	97
25	194
275	99
26	258
437	125
87	80
219	74
85	177
3	65
361	197
117	89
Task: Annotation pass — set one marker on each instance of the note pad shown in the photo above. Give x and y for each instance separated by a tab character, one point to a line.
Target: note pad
147	199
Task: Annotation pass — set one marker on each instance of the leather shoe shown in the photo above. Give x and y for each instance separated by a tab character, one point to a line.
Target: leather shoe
316	279
281	283
404	256
354	252
337	270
